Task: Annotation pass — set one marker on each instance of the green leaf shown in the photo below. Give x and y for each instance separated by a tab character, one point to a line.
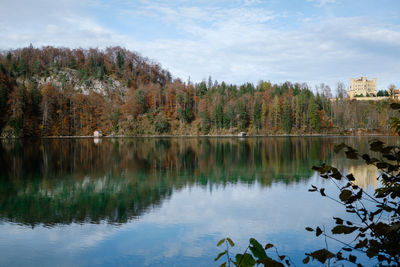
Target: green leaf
342	229
245	260
223	264
220	255
309	229
306	260
230	242
322	255
345	195
221	242
257	250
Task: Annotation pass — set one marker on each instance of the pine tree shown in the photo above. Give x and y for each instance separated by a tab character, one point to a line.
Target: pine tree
229	117
205	125
257	115
120	60
22	68
218	116
286	117
243	116
314	120
297	113
36	67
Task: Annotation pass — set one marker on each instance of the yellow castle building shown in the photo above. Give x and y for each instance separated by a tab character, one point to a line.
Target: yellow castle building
362	87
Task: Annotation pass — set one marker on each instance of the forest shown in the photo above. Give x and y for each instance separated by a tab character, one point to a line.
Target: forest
52	91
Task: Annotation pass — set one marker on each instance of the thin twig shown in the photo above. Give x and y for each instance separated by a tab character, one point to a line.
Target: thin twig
227	253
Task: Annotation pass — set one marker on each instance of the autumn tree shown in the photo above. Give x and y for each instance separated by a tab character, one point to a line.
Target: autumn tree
286	117
49	108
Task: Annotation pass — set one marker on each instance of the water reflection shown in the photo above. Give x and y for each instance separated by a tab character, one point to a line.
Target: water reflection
366	175
60	181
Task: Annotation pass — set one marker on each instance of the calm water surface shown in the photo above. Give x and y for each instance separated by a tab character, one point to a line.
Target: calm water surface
163	202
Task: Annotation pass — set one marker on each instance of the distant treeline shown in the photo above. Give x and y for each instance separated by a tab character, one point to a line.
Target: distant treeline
64	92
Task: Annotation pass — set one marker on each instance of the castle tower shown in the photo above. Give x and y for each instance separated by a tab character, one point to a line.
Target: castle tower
362	87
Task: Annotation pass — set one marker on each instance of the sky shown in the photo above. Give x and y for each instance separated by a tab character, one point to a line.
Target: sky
236	41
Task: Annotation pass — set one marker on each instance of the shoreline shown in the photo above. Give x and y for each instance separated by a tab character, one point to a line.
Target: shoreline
200	136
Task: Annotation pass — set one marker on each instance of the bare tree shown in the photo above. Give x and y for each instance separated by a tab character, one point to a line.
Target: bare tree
391	89
340	90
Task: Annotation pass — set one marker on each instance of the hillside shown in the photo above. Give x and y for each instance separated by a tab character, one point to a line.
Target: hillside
72	92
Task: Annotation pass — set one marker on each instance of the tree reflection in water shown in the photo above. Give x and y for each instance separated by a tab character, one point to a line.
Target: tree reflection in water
60	181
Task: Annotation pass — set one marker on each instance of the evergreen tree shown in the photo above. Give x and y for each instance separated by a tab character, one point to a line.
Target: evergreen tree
229	117
286	117
92	65
243	116
120	60
297	113
257	115
36	67
36	98
72	63
201	88
115	120
3	97
218	116
14	69
314	119
161	124
205	125
101	72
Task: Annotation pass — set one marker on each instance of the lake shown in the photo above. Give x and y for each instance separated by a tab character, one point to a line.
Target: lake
165	201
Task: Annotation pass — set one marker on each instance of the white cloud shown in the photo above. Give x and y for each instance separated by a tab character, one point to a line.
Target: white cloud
246	42
322	2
